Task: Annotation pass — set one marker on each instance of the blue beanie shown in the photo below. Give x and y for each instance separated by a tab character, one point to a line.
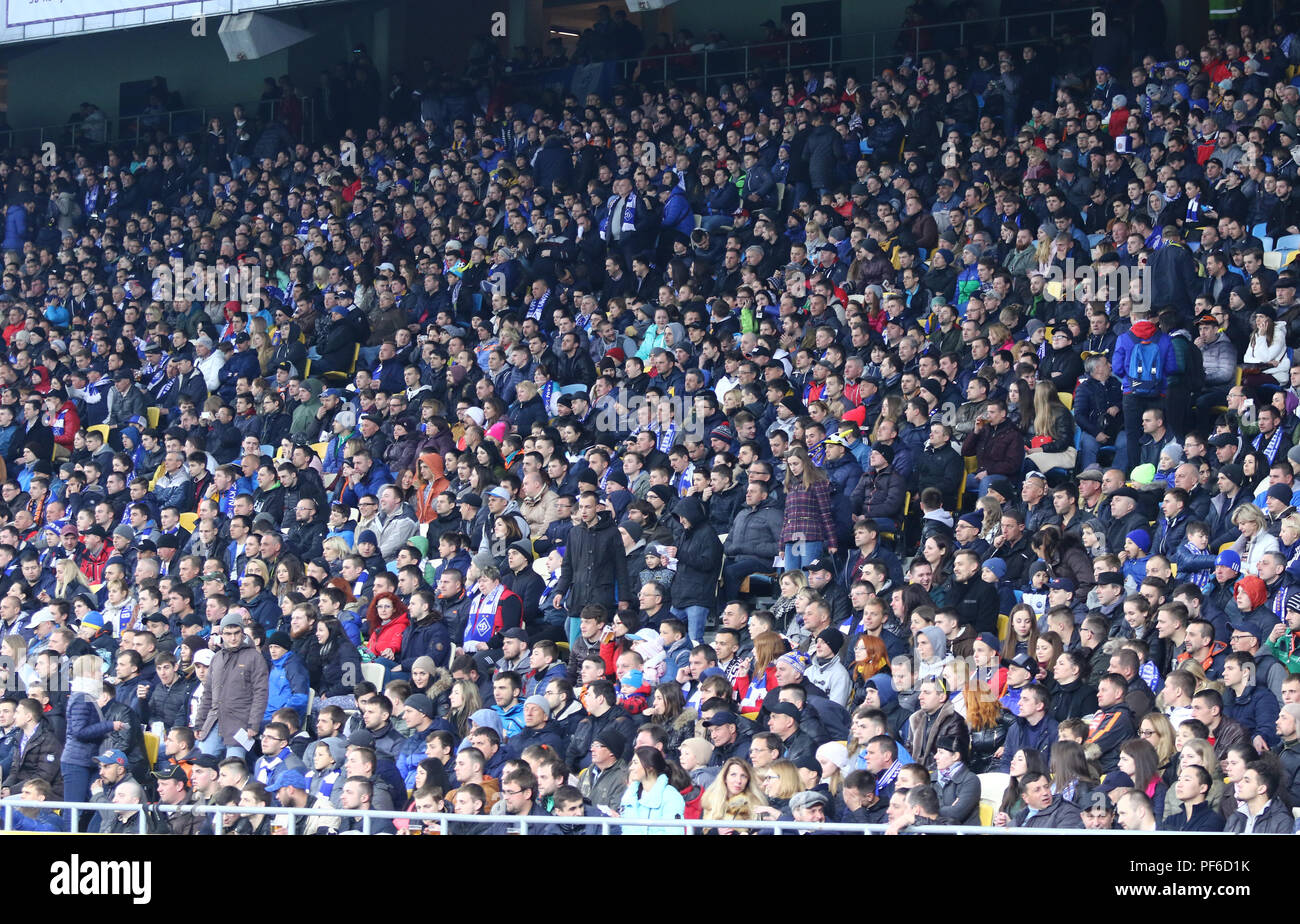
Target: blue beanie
1141	538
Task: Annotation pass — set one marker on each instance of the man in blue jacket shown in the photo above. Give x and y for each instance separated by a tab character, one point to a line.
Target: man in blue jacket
1144	361
676	220
288	683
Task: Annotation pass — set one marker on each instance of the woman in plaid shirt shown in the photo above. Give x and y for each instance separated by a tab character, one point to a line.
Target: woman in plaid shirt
808	528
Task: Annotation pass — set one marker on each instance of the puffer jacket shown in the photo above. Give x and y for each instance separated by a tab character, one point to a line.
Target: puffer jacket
658	802
286	686
235	695
699	559
169	705
86	730
880	494
756	531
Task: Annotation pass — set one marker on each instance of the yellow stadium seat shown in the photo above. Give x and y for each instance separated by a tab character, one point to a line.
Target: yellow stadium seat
319	449
154	414
1004	624
151	748
101	429
1066	398
986	815
189	521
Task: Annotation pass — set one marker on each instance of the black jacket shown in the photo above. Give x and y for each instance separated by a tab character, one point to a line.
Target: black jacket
939	468
1204	818
699	559
40	760
169	705
976	603
595	568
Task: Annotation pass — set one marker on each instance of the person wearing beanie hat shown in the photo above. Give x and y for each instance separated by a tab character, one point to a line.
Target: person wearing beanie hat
288	684
881	491
825	671
696	754
538	728
605	780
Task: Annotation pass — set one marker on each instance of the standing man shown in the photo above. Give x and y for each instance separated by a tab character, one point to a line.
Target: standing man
1144	360
234	697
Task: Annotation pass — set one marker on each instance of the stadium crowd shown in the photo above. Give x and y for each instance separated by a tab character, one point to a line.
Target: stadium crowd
810	447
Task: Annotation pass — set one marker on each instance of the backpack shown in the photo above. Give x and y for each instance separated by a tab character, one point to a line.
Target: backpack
1144	369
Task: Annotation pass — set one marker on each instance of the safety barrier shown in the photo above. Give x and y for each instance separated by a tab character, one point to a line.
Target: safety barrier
525	824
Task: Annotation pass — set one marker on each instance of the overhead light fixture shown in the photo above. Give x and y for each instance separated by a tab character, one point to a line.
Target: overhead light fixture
569	32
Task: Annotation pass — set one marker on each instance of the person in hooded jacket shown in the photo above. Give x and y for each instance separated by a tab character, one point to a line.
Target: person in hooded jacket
527	584
694	592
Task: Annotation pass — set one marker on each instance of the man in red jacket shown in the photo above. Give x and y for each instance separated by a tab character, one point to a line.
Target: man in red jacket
62	416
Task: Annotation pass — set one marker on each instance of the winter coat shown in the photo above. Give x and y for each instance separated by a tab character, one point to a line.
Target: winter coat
169	705
1061	813
922	741
287	685
86	730
880	494
235	695
959	797
942	469
659	802
1255	709
595	569
823	153
39	761
1274	819
340	666
607	787
699	559
428	637
755	531
998	450
808	515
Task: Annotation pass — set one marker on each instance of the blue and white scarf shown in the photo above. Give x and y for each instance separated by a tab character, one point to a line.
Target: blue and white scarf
629	216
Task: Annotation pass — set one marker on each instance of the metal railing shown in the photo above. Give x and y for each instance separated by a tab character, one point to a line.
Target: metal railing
134	129
525	823
876	49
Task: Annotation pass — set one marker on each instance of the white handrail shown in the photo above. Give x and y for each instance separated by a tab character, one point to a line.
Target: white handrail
525	822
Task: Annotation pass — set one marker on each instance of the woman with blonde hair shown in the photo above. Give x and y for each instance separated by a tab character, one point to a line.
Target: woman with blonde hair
779	781
69	579
334	549
1255	540
1052	434
85	730
465	700
783	609
732	796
